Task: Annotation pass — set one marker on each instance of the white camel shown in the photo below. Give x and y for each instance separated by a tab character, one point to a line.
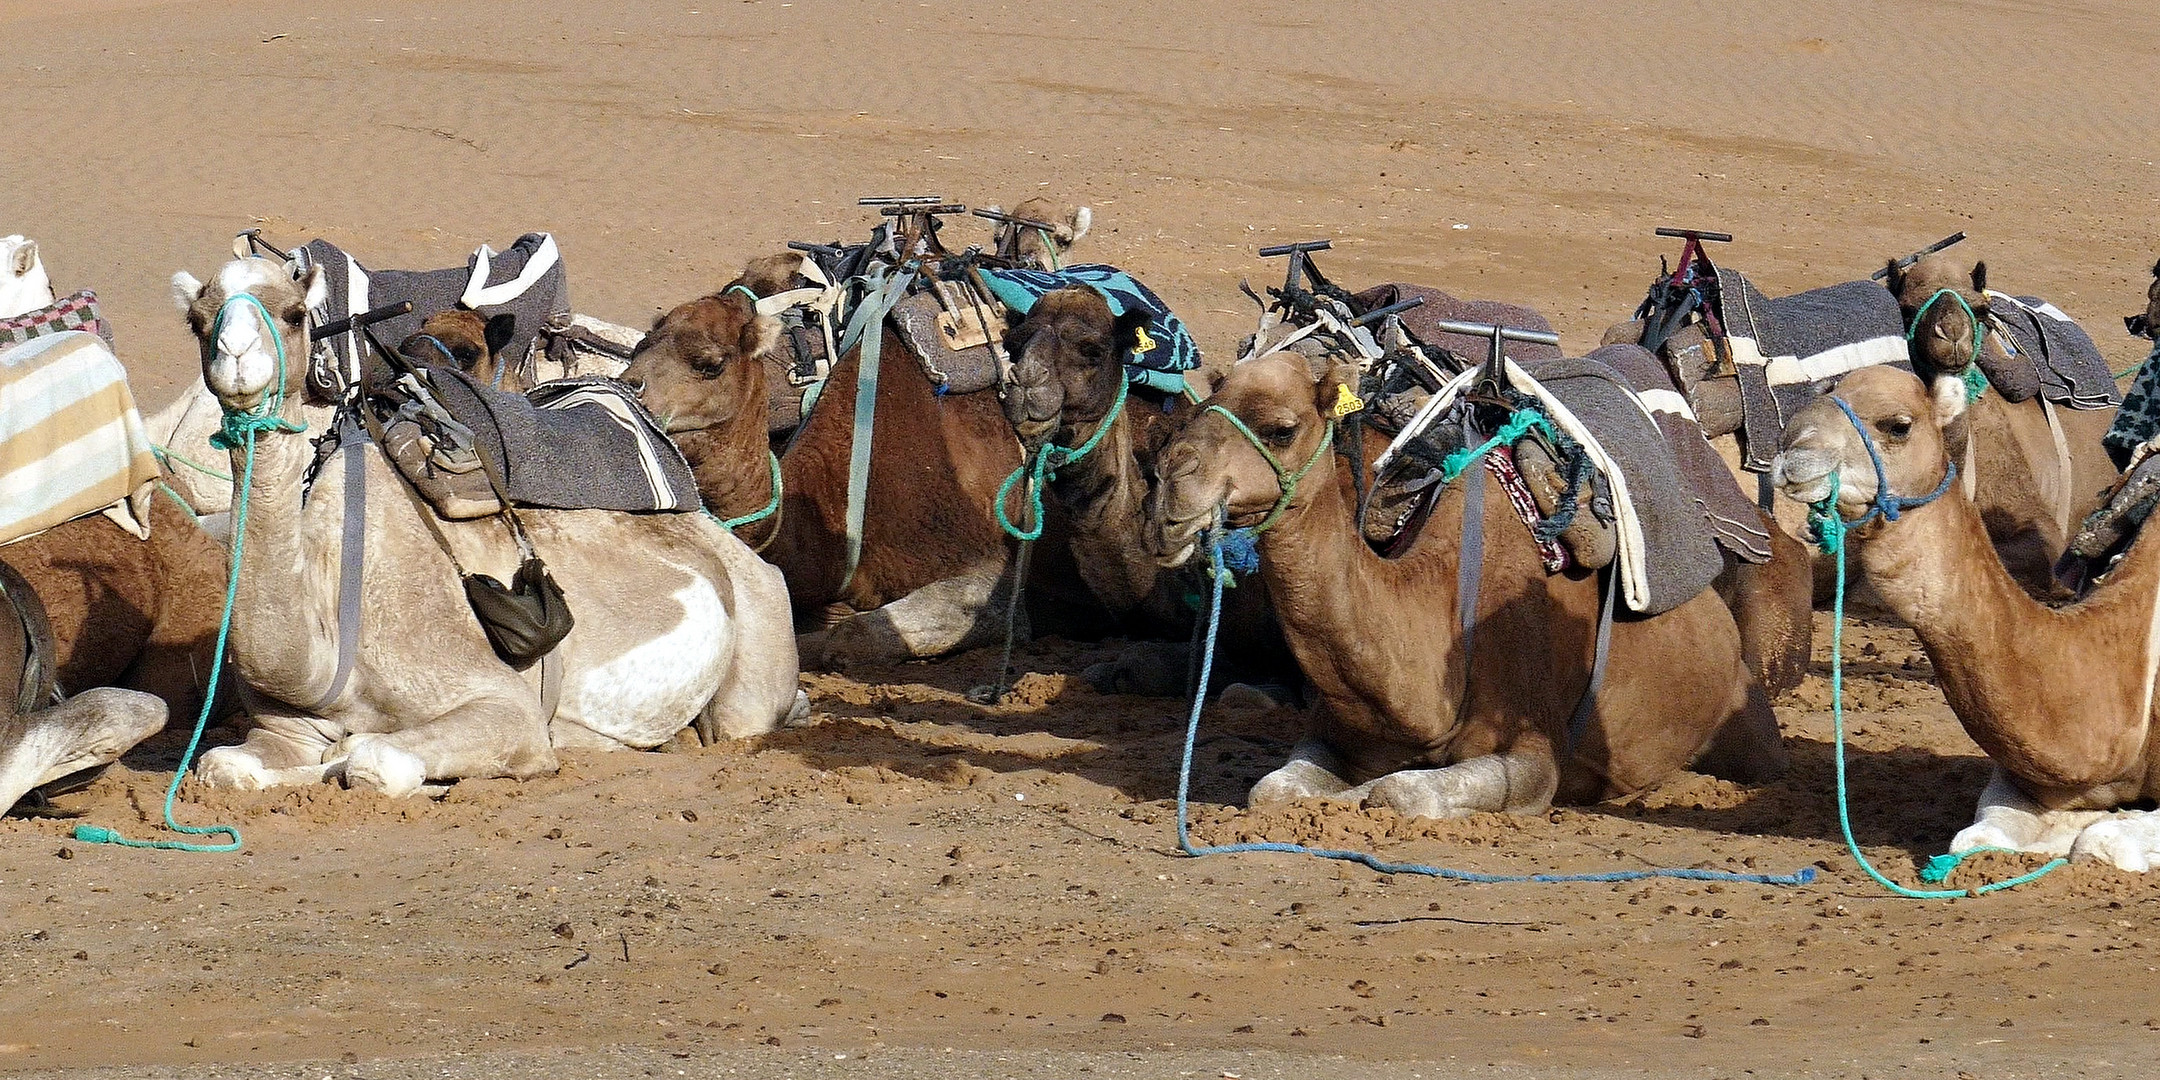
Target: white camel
677	621
24	286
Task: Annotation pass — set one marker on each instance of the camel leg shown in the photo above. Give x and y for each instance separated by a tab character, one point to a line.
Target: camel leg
486	737
2125	839
1521	781
759	691
939	618
1313	771
1748	748
281	750
1145	668
90	729
2008	818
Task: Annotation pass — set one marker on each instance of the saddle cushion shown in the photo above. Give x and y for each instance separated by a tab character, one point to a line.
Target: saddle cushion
2055	356
951	370
71	441
571	444
1422	322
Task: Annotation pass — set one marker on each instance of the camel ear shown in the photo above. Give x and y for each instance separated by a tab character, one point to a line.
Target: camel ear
759	335
1979	277
25	258
499	329
1949	395
1125	333
1335	392
314	288
185	290
1082	219
1894	278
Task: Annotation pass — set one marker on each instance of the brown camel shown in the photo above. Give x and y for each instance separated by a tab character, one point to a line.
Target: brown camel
2147	323
1404	718
2032	469
470	341
42	743
2060	699
934	564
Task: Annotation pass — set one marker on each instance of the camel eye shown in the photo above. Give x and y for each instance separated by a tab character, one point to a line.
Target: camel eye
1279	436
295	314
1898	427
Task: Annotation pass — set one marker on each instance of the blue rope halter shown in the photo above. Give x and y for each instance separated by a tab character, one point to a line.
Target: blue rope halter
1885	505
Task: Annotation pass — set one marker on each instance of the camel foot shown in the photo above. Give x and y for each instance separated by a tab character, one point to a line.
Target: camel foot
236	768
2008	818
2126	840
1145	669
1516	784
89	730
1313	771
798	714
374	765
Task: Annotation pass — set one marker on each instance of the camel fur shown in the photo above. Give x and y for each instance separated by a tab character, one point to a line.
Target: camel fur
52	743
24	285
2060	699
677	622
935	568
1404	719
2029	490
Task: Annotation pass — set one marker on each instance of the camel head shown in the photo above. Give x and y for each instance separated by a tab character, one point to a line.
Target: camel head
1030	246
1210	468
2146	325
1901	418
1946	311
702	363
24	288
465	338
252	323
1068	360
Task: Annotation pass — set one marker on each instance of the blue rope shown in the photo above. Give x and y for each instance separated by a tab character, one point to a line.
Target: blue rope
1217	574
1830	534
240	427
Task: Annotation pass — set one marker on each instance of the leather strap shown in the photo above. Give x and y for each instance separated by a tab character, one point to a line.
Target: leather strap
352	541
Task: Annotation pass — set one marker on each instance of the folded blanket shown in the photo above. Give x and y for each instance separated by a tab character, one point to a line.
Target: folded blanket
573	444
1728	515
76	311
526	280
2059	357
71	441
1785	350
1166	350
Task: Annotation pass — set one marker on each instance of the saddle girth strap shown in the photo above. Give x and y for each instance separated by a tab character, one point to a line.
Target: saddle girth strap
1587	707
352	538
867	327
1470	566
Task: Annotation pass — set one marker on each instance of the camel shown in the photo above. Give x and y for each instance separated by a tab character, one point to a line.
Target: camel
676	621
24	285
42	743
2146	324
2033	469
470	341
935	568
1404	719
2060	699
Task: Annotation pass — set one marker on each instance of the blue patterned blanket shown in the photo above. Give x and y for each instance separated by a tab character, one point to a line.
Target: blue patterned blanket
1166	350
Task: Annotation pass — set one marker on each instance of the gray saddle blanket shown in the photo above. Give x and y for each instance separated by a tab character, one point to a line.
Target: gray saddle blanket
525	279
2055	356
1423	322
1727	513
1680	532
571	444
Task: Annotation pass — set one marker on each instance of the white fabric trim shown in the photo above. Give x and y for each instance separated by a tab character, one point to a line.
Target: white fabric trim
1666	401
479	294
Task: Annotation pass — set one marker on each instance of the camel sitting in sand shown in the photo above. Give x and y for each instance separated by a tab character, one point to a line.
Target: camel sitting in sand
934	566
676	621
42	743
2146	324
2032	469
1404	718
2060	699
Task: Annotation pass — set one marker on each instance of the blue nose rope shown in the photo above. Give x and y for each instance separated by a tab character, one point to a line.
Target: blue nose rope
1829	527
1216	575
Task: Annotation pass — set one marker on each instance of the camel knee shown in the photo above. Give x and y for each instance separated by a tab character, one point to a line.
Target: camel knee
1748	748
1313	771
2127	840
372	764
1514	783
232	768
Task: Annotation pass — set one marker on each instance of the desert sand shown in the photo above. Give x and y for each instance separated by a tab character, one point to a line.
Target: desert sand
913	874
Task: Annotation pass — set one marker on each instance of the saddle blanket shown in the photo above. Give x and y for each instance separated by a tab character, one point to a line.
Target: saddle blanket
1166	352
2054	356
77	311
71	441
571	444
525	279
1423	322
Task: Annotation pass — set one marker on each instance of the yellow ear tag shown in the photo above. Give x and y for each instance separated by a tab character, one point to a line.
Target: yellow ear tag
1345	401
1146	343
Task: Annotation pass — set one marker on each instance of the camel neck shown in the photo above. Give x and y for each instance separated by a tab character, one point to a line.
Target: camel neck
277	606
1105	495
2058	697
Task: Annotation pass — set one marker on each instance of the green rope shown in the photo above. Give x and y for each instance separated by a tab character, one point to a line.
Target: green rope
1042	468
1050	245
1978	328
1829	530
167	455
179	502
237	430
1976	383
772	505
1516	427
1288	481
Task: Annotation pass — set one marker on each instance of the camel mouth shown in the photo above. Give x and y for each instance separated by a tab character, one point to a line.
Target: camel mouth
1803	474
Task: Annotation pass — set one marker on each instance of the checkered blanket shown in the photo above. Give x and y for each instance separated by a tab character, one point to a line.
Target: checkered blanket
71	442
76	312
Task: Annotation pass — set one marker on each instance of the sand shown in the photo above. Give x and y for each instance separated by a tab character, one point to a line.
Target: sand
914	873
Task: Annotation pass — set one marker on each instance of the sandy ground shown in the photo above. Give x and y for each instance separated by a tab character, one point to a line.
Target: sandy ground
914	874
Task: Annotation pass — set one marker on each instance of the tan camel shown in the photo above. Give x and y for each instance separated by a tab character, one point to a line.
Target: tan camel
2060	699
2032	469
676	620
1404	719
934	565
43	743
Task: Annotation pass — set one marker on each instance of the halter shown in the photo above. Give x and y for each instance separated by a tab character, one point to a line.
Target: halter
1048	460
1885	505
1286	479
241	425
1979	328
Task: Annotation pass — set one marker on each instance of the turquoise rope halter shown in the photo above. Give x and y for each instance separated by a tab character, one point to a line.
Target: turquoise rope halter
1284	478
238	431
1047	460
1975	379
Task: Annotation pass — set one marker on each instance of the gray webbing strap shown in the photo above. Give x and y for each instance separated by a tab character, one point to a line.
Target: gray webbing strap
867	327
551	677
1470	560
1587	707
352	445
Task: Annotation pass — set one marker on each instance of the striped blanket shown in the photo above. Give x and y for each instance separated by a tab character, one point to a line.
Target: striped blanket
71	442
